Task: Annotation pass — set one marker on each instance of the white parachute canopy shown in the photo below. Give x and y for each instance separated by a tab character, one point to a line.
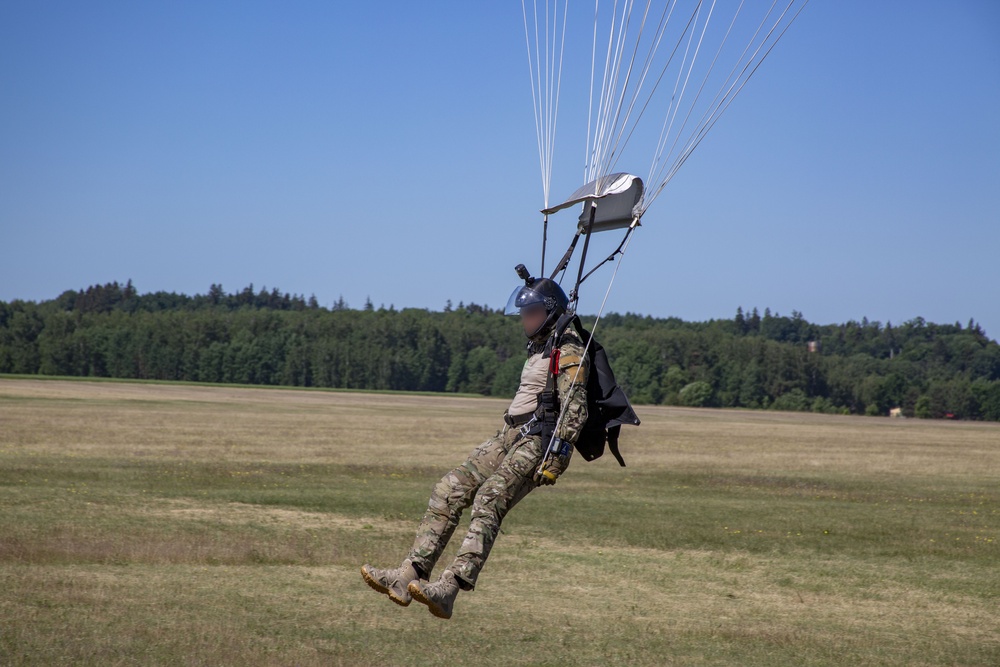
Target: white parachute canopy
661	74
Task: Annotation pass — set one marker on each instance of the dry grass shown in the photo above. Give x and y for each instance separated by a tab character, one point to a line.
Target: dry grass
161	524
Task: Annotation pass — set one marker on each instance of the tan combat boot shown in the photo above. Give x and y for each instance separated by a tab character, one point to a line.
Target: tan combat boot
391	582
439	596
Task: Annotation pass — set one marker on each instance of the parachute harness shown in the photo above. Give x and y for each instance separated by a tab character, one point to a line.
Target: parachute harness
551	446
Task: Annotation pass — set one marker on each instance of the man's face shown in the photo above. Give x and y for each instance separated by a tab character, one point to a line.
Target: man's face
532	318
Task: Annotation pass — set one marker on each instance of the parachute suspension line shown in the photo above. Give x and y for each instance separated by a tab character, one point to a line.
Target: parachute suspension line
590	98
668	9
612	100
708	126
659	79
643	50
675	98
610	148
705	79
555	112
609	83
545	76
611	126
592	148
611	123
729	90
555	79
656	175
535	94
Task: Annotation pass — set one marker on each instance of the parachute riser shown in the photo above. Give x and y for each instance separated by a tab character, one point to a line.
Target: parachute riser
635	223
574	295
545	238
564	262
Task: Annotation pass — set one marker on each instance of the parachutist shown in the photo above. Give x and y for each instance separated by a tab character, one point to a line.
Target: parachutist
550	405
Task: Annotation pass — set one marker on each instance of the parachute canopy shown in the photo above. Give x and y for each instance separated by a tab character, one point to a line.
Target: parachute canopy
618	198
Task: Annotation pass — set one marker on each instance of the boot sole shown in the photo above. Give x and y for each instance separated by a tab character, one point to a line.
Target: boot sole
419	596
382	589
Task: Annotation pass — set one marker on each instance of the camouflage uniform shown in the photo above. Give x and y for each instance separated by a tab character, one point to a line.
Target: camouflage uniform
499	473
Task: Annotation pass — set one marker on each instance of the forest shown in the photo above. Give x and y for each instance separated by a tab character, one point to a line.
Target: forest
265	337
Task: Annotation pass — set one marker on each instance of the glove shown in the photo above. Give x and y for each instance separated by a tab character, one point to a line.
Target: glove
555	463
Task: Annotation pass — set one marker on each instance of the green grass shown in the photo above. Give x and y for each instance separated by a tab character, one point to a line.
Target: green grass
181	525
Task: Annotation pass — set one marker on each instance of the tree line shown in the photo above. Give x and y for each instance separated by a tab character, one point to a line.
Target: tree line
754	360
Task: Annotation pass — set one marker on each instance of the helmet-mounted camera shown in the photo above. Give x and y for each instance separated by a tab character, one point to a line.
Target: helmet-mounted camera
523	274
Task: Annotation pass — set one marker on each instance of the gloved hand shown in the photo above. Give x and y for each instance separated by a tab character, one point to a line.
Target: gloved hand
555	464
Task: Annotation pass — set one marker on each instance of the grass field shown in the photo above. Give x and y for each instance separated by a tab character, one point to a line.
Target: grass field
183	525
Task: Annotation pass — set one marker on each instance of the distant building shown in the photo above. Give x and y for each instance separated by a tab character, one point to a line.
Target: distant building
814	345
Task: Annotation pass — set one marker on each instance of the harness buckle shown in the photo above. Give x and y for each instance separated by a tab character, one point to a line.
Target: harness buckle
525	428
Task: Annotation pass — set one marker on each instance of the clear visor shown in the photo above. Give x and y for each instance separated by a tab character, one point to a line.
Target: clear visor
522	297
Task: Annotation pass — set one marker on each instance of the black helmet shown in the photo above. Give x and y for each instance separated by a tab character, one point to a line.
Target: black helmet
539	291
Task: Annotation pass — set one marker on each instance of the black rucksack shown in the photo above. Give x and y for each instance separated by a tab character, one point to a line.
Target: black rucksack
607	406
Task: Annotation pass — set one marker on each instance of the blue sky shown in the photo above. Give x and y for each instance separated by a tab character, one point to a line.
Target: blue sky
387	150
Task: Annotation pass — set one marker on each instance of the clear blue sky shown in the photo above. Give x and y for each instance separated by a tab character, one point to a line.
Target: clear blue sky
387	150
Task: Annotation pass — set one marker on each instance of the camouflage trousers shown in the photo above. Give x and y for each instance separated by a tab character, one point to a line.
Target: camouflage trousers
495	477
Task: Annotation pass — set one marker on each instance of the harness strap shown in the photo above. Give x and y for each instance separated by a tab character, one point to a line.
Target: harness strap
517	420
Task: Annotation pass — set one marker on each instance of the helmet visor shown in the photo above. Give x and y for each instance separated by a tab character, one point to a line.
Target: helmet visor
523	297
